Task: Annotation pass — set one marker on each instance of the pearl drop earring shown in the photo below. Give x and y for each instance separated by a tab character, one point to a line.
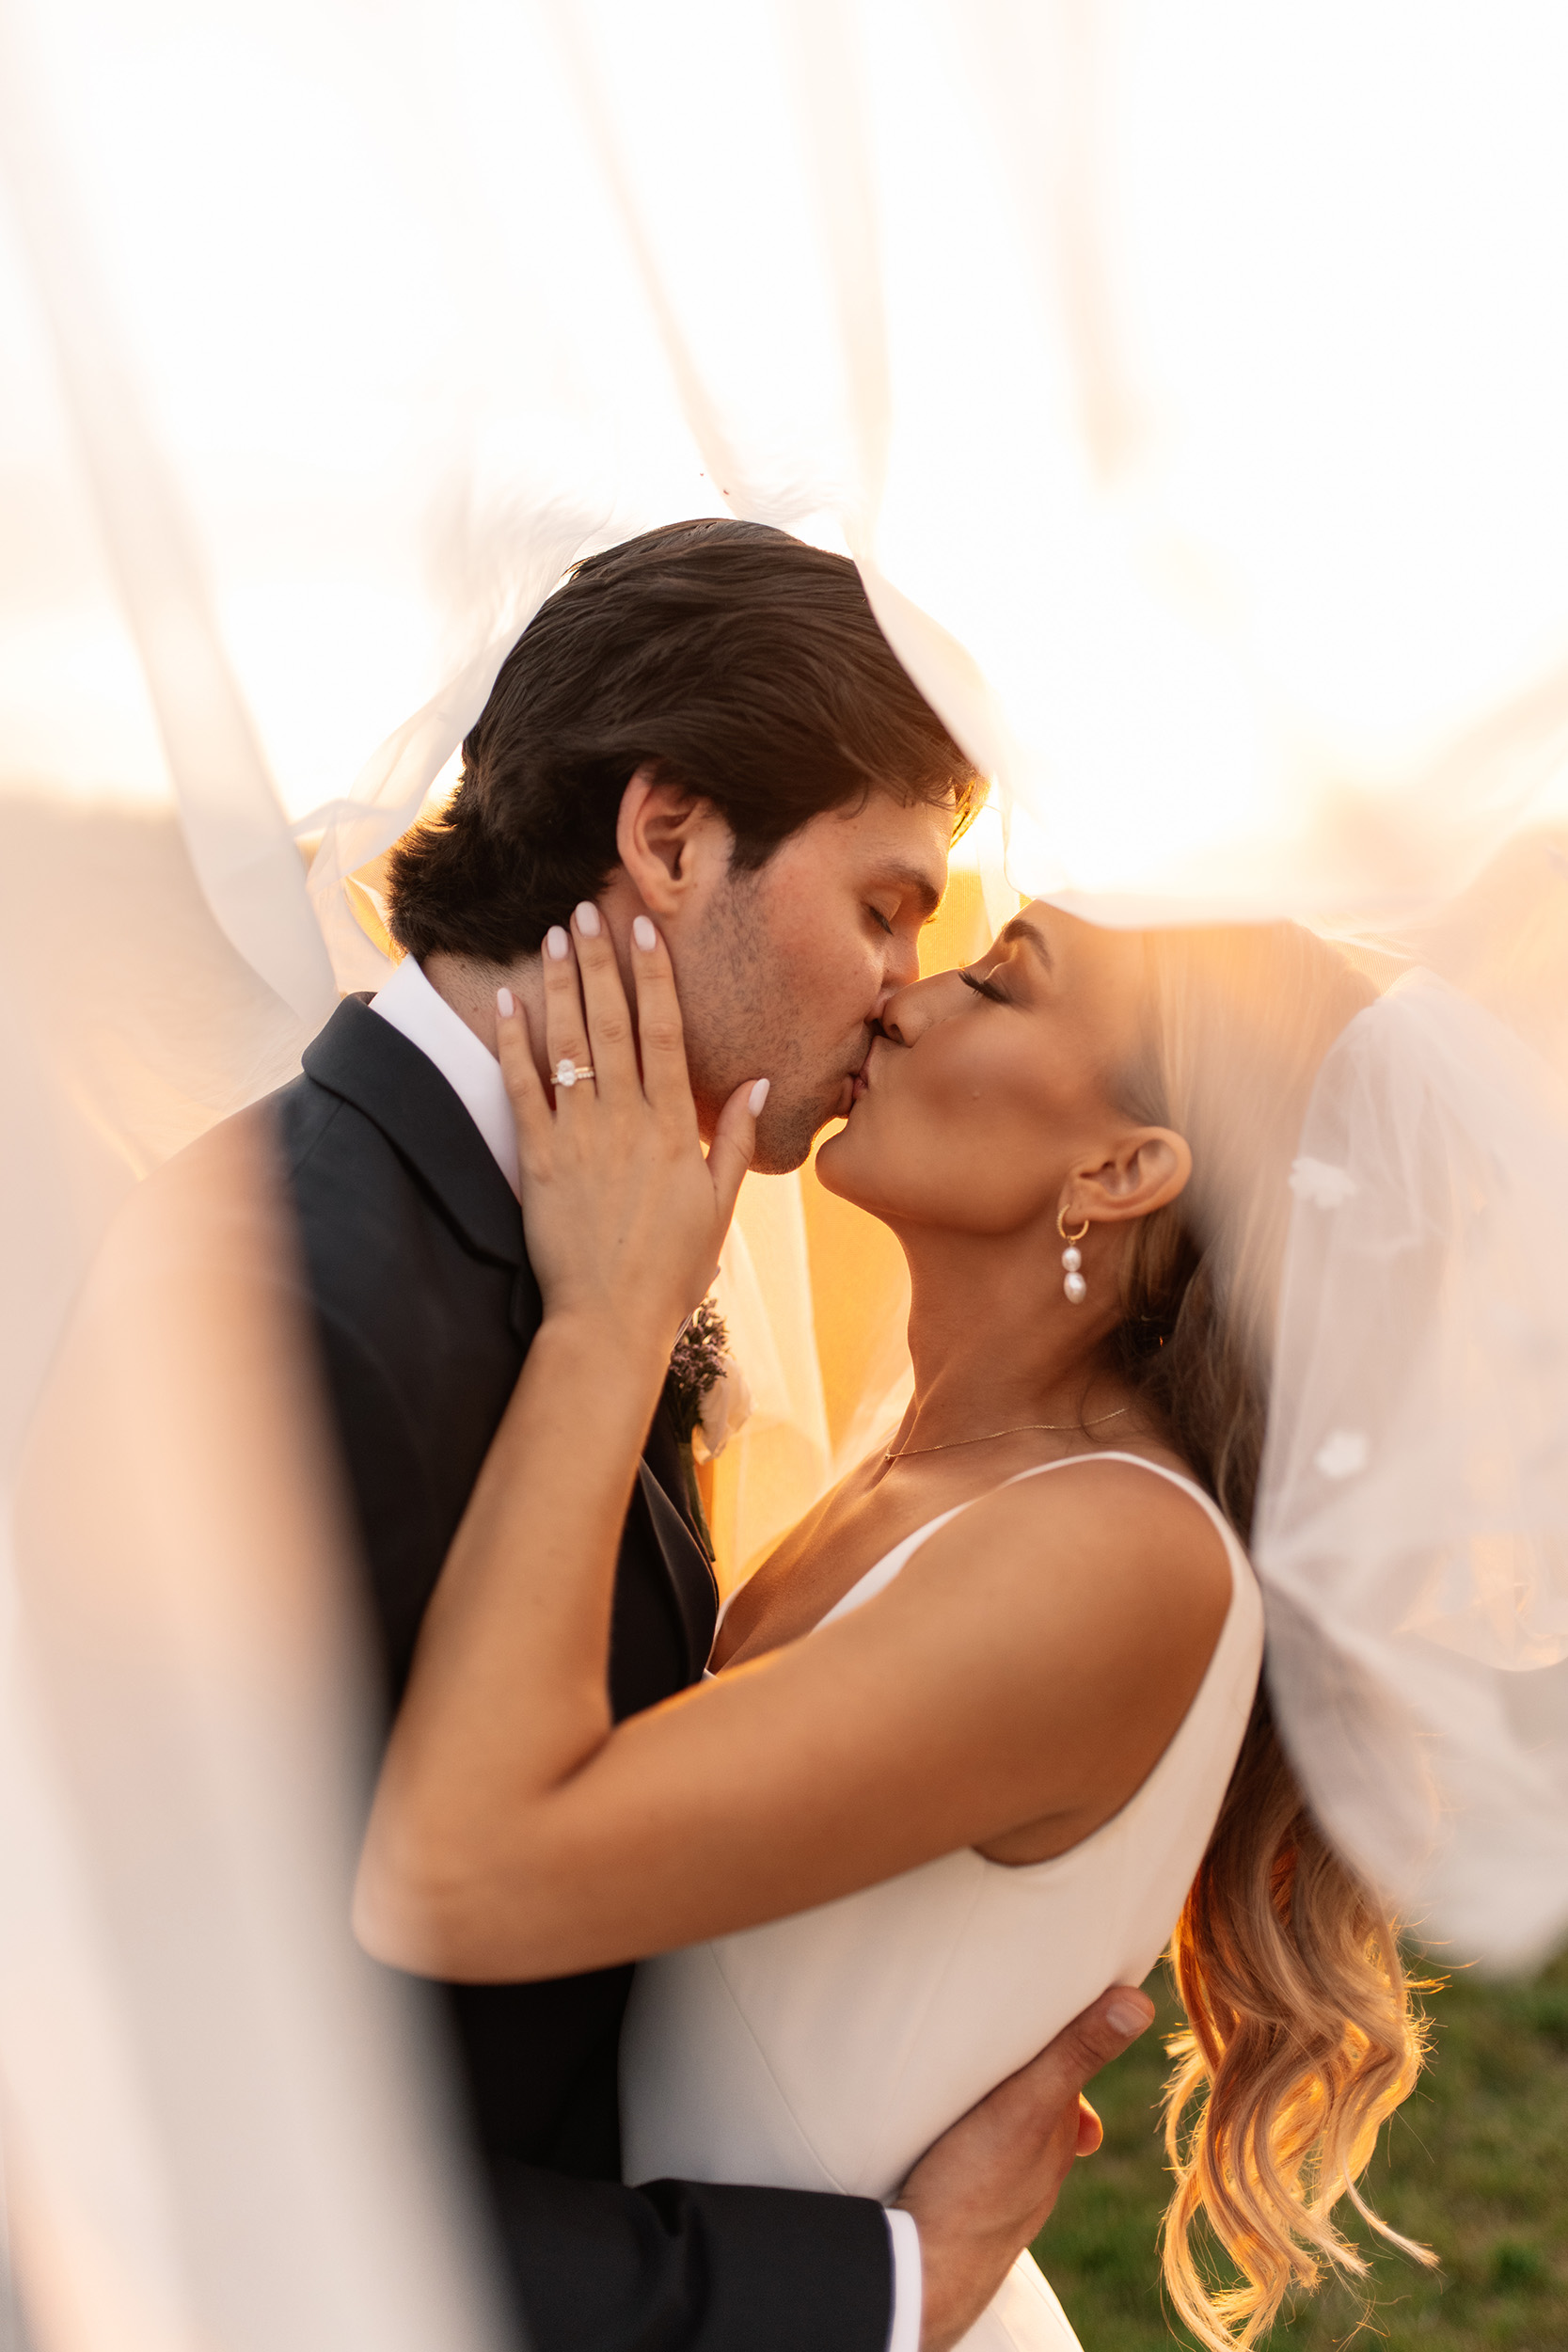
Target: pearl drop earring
1074	1284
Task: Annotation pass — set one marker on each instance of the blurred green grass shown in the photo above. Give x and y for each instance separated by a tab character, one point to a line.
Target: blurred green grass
1475	2165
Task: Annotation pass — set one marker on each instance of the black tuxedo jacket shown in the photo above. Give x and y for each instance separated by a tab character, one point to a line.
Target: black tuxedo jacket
425	1305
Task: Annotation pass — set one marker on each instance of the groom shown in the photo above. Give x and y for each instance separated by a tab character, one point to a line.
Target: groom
705	724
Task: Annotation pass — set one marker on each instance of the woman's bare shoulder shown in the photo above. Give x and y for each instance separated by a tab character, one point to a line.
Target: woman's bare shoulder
1080	1610
1097	1539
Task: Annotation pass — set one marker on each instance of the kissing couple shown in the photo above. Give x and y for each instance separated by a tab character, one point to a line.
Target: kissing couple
751	1922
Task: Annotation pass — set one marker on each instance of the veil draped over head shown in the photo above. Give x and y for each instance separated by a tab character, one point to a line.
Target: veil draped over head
1215	498
1412	1524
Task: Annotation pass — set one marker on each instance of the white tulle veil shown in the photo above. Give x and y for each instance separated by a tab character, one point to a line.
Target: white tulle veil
1412	1523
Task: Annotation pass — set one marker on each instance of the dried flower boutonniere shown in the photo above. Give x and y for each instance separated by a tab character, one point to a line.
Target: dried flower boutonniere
707	1394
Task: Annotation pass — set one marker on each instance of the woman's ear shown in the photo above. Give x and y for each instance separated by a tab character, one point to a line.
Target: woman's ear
1148	1168
660	835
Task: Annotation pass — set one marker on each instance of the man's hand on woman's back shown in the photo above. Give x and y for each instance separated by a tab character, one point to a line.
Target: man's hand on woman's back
989	2184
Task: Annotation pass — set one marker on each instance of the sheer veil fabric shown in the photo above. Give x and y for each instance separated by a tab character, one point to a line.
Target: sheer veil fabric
1214	496
1412	1529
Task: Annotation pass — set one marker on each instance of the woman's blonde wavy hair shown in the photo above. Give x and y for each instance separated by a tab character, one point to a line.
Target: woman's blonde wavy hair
1302	2036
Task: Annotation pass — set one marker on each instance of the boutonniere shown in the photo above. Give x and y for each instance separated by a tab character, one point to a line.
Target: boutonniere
708	1395
708	1391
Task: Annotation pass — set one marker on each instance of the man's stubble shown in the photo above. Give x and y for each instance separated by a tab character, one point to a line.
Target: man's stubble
740	1005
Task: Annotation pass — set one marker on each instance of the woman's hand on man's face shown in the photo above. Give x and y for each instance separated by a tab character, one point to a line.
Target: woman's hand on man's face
624	1213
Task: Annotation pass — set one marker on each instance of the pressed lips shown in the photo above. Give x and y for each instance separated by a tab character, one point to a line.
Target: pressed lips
862	1080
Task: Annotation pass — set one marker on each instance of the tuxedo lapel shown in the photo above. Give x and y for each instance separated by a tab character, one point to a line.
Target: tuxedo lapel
365	1061
686	1563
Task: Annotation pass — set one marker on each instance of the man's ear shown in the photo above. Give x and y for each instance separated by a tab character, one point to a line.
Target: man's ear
1149	1166
664	840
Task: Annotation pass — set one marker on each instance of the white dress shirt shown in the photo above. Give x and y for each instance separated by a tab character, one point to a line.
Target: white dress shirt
909	2281
426	1020
418	1012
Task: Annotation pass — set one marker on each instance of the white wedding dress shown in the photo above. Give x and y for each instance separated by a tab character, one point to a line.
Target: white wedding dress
827	2051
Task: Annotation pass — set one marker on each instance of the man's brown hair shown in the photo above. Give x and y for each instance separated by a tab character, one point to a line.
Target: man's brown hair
741	663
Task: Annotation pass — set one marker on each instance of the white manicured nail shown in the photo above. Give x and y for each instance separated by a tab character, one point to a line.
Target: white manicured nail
555	944
644	934
758	1096
588	919
505	1004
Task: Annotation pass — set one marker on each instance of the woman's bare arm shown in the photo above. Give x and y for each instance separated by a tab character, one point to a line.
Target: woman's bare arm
1030	1664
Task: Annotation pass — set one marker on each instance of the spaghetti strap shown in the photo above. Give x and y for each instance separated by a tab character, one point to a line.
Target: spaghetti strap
1241	1567
882	1573
1070	1461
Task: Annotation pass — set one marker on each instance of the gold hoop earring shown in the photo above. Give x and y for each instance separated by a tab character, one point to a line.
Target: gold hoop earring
1075	1288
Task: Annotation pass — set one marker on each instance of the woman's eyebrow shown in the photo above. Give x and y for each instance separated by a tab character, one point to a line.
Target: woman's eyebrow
1020	928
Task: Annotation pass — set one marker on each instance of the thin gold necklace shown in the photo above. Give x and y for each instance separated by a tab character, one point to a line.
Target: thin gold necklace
1026	1428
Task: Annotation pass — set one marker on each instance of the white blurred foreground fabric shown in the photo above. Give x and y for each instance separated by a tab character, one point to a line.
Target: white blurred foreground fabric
224	2125
1188	383
1185	381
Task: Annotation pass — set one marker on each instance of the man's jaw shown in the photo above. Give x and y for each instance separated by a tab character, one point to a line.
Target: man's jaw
780	1147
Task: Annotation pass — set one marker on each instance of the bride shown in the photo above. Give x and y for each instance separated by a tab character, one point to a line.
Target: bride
986	1727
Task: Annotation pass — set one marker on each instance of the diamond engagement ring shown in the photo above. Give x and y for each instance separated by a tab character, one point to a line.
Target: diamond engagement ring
569	1072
